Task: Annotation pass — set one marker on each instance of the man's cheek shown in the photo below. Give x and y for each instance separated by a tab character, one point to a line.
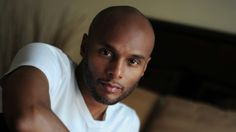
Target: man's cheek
132	79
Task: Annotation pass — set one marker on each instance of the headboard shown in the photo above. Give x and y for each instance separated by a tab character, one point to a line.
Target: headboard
194	63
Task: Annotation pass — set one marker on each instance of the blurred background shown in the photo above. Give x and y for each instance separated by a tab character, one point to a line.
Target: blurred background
195	54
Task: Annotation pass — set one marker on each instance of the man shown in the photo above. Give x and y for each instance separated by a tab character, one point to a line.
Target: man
45	91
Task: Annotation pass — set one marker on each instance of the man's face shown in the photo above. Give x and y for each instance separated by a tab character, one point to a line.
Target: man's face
114	62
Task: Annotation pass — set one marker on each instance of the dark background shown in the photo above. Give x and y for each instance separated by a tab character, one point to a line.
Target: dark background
193	63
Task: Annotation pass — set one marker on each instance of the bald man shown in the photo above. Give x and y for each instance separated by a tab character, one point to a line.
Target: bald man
46	91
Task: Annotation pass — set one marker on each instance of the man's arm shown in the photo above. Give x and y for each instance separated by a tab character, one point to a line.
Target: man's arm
26	102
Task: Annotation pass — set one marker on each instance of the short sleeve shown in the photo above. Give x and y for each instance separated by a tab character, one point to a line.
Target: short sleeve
41	56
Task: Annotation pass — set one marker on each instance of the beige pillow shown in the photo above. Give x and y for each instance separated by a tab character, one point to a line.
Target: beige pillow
180	115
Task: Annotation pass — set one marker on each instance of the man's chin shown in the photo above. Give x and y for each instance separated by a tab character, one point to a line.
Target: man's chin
106	100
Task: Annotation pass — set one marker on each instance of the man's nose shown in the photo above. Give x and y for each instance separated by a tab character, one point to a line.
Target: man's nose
116	69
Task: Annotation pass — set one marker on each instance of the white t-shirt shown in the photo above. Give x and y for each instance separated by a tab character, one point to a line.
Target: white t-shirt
66	99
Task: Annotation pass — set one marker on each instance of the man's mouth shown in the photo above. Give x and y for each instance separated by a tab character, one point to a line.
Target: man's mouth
111	87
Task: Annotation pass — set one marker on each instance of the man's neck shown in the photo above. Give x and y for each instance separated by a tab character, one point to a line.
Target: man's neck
96	109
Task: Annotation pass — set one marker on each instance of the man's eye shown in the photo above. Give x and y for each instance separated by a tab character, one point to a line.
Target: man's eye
134	61
105	52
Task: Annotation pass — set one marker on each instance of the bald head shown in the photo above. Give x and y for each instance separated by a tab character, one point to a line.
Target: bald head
121	18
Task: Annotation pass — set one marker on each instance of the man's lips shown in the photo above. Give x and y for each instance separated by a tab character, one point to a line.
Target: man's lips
111	87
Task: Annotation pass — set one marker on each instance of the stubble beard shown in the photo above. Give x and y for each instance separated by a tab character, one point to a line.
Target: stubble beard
90	83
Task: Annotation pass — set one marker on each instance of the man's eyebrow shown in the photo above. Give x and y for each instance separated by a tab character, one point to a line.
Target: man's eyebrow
138	57
141	57
108	46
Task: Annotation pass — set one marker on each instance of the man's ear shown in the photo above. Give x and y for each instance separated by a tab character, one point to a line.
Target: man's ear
145	67
84	46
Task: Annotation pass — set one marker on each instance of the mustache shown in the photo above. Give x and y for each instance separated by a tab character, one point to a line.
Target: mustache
111	83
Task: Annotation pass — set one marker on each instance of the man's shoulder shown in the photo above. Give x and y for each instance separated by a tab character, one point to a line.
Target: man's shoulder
124	109
44	50
39	45
127	115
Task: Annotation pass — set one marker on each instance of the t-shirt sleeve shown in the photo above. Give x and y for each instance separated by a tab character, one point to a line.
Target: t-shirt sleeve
41	56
